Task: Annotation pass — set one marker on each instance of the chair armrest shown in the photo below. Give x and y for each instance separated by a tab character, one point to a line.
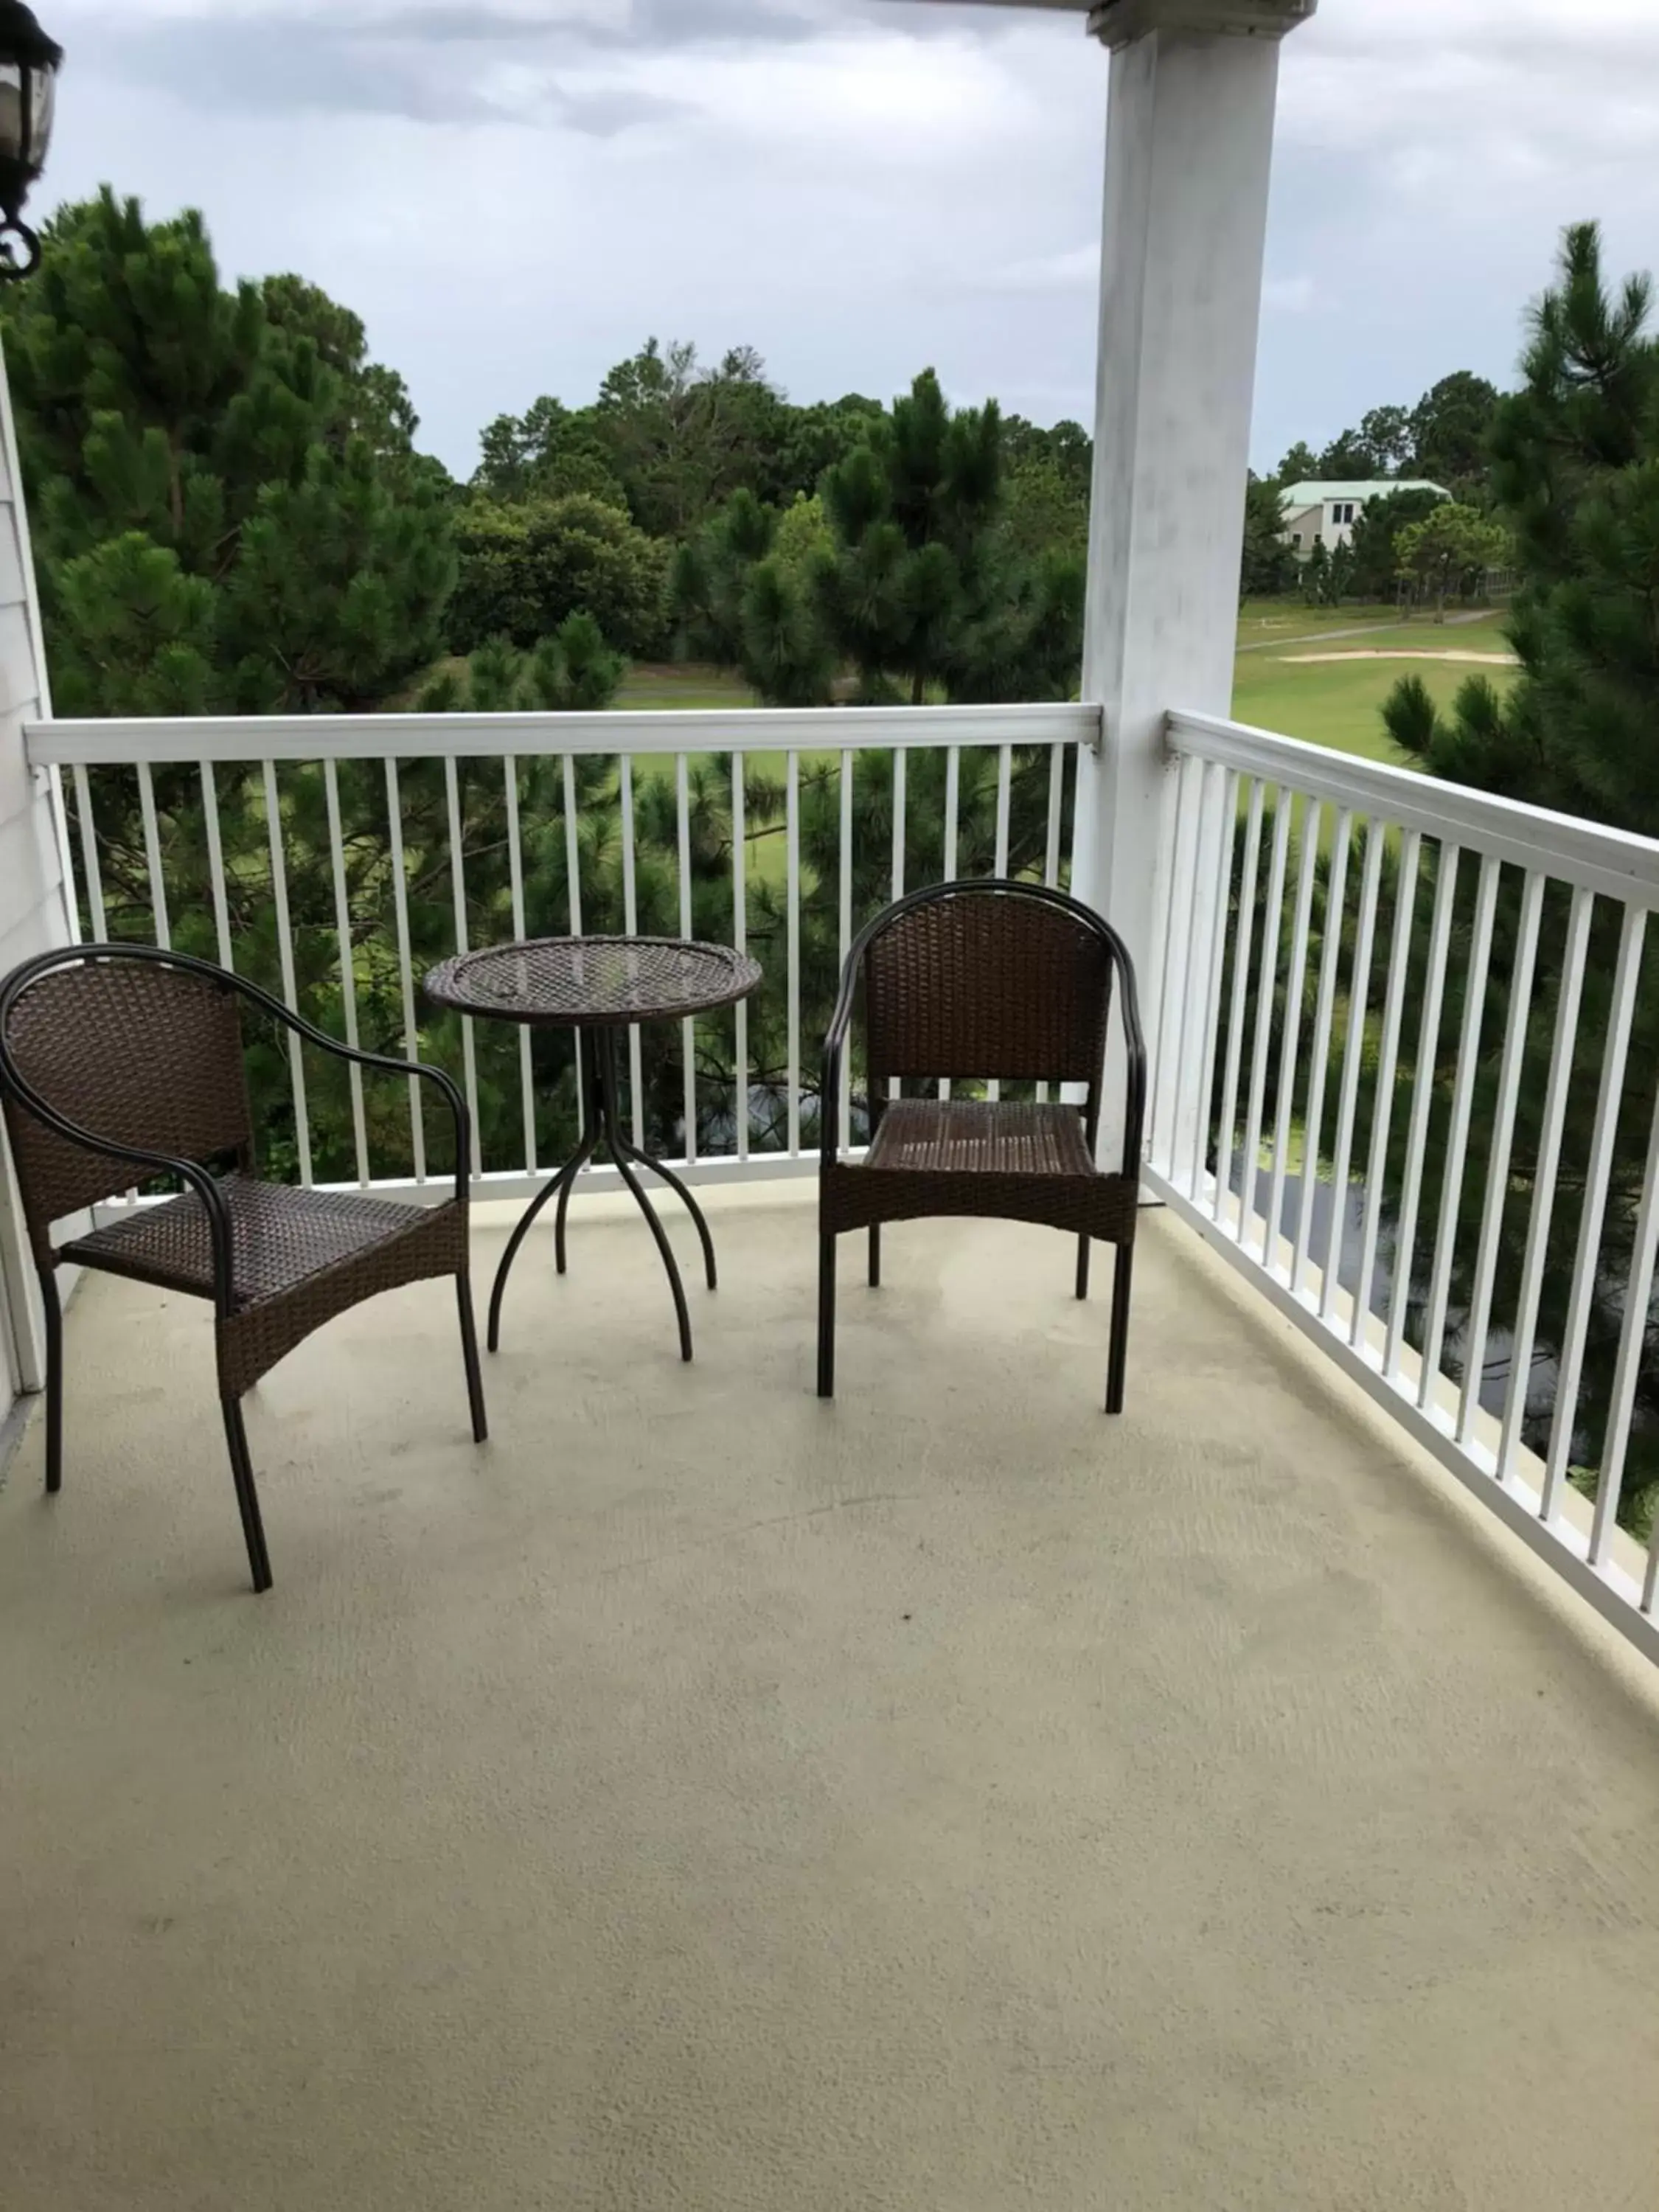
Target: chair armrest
382	1063
194	1177
385	1064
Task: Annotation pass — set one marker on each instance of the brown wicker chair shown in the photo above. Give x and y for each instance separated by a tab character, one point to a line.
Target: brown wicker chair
974	981
117	1058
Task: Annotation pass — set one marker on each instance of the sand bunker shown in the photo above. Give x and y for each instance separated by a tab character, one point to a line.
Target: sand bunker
1421	653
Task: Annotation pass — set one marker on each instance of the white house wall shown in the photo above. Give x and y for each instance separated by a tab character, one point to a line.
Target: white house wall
34	909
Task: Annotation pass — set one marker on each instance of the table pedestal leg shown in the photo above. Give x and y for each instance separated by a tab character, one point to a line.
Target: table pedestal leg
620	1153
596	1057
561	1184
593	1096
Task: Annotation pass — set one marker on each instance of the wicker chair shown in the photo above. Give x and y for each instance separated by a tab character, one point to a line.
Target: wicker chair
974	981
122	1062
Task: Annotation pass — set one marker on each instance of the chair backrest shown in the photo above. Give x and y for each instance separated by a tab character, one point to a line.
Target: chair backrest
988	979
128	1045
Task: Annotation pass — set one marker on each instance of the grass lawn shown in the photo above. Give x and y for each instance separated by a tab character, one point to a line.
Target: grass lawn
668	686
1338	702
1334	703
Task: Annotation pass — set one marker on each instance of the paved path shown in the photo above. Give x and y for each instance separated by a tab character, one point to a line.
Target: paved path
1364	629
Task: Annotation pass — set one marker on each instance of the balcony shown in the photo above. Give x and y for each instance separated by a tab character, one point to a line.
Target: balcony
703	1795
1347	957
706	1796
947	1799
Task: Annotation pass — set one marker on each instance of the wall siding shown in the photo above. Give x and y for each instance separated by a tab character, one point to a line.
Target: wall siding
35	910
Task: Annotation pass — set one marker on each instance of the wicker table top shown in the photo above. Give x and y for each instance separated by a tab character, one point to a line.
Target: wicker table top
582	982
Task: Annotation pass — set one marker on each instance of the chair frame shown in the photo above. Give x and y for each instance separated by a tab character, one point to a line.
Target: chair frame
838	1182
196	1179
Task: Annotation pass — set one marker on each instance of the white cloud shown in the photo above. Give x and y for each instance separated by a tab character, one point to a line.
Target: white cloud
514	193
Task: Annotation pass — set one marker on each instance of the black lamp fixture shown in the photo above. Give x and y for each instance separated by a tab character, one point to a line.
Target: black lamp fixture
28	76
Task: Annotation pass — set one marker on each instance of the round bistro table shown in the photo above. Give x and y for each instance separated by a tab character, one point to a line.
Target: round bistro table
597	985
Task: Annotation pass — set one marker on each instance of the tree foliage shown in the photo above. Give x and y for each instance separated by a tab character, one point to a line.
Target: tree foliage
225	482
571	671
1442	438
1576	467
1269	564
1451	426
523	570
915	586
1377	561
1449	550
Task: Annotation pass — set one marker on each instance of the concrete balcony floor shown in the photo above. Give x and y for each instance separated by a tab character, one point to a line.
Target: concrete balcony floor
704	1799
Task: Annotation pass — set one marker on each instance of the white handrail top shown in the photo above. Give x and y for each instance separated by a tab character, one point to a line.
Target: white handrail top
1616	863
119	740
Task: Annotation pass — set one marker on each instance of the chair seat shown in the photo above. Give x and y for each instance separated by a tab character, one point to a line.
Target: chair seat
281	1238
929	1136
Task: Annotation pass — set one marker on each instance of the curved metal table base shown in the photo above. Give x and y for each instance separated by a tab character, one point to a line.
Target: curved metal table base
596	1053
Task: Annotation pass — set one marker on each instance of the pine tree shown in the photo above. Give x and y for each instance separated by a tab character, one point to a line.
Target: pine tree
228	517
1576	469
1316	574
164	415
915	590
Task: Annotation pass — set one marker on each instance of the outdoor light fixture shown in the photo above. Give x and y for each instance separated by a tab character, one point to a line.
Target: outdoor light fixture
28	76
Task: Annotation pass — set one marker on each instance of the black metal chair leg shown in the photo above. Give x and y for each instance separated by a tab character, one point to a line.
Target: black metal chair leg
1120	1341
53	1309
247	1497
827	1316
674	1184
875	1255
1083	1266
469	1354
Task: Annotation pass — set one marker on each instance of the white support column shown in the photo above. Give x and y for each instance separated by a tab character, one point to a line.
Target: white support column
1188	151
36	902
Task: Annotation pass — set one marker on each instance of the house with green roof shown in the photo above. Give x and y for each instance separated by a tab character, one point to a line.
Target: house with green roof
1329	511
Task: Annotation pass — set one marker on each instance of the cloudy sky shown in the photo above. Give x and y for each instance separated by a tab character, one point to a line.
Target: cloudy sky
515	194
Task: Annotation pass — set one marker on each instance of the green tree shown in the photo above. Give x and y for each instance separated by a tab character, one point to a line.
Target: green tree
1269	564
816	438
194	466
546	453
1316	574
1045	508
222	523
802	535
571	671
373	400
523	570
1386	434
921	590
1451	549
1377	559
681	439
1299	465
912	587
1348	459
1451	428
709	577
1575	464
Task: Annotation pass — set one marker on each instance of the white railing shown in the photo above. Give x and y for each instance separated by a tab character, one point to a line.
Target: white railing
1420	1204
1437	1262
596	763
